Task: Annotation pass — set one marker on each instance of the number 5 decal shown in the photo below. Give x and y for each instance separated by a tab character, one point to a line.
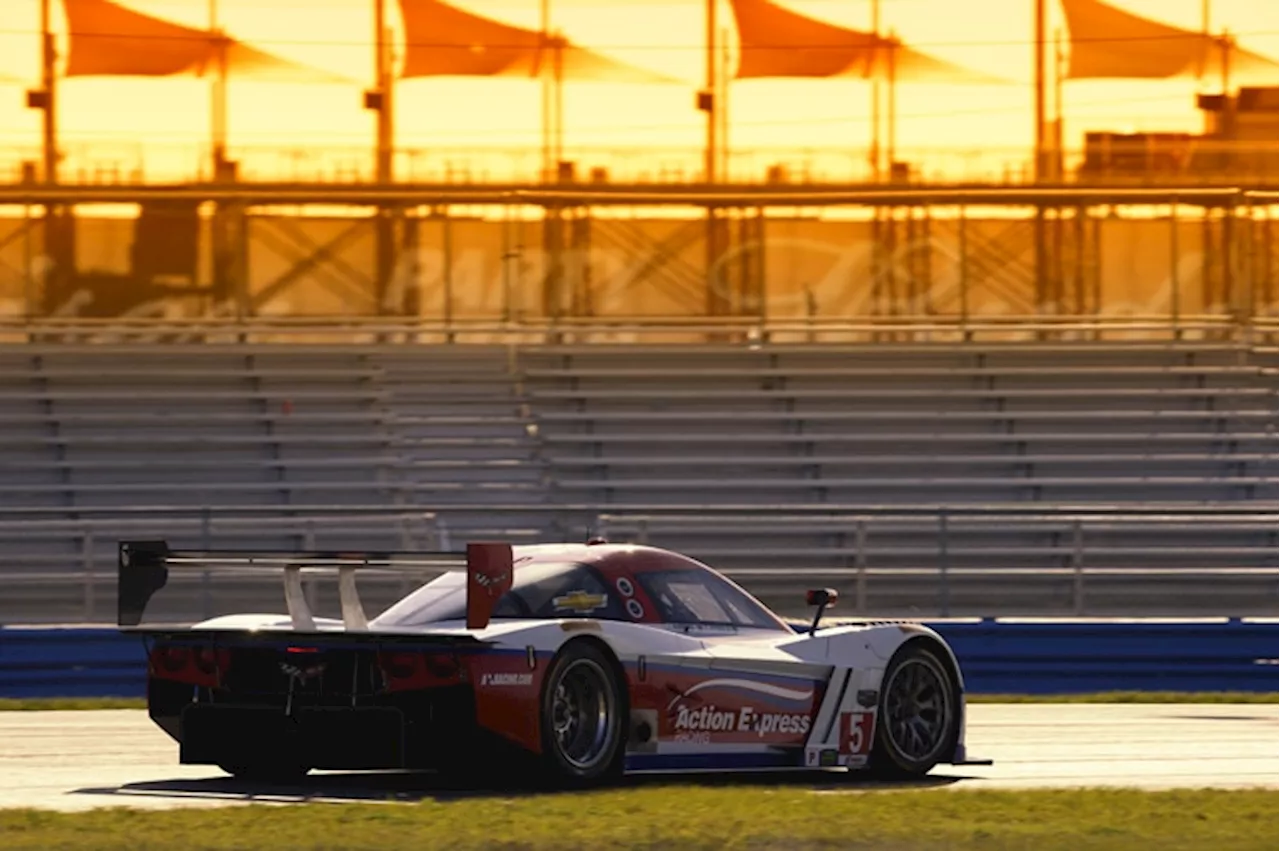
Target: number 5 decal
855	733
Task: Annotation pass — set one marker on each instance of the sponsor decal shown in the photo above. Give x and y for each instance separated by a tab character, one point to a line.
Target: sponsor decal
789	694
580	601
498	680
746	719
829	758
754	716
868	698
855	733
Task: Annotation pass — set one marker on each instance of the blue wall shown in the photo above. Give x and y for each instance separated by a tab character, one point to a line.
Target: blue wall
998	657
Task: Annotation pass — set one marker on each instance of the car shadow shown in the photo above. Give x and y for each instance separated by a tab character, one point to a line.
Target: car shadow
410	787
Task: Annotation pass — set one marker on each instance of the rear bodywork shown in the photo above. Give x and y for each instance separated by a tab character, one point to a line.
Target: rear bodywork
358	694
229	696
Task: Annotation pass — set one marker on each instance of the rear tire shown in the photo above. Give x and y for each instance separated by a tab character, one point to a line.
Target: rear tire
582	709
918	722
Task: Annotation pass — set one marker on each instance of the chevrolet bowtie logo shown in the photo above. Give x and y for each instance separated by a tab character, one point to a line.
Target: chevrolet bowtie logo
295	672
580	601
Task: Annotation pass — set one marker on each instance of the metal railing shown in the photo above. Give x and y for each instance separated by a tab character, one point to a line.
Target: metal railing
623	330
887	560
107	160
34	550
955	550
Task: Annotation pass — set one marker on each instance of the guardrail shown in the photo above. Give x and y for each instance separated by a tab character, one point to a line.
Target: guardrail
920	561
997	656
881	556
747	330
121	158
52	566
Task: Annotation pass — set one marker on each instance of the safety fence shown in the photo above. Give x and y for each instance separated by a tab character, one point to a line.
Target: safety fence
951	562
886	561
997	656
1166	327
59	569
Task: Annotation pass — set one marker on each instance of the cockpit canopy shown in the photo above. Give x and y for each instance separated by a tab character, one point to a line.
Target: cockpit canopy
690	595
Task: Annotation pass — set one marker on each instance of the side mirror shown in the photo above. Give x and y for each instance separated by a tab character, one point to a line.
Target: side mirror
822	598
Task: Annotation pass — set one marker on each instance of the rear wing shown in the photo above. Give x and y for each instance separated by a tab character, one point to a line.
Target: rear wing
143	569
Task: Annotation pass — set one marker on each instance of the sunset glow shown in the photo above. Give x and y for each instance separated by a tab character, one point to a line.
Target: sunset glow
282	130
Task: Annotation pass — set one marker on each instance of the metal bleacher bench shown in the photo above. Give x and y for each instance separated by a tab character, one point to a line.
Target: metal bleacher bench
912	482
632	373
900	414
804	393
890	460
950	436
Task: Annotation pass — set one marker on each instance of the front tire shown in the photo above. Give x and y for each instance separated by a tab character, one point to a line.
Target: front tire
919	715
582	709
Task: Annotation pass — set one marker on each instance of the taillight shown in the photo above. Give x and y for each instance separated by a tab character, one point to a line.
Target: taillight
443	666
201	666
404	670
173	659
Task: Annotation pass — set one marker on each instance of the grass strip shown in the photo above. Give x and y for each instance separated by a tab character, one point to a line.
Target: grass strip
36	704
689	817
49	703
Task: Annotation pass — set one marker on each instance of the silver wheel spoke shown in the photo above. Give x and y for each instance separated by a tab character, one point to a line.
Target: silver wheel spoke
582	712
918	706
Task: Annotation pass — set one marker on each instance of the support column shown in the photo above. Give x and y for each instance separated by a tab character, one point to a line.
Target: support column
410	287
1040	286
58	225
229	236
719	301
380	100
1094	229
1040	159
1057	294
924	257
553	245
1266	292
583	301
751	264
1210	293
878	228
1080	302
717	283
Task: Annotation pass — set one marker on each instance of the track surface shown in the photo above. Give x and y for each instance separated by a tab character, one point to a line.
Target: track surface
84	759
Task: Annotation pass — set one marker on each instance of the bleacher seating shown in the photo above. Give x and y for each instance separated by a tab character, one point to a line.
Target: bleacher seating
892	424
532	443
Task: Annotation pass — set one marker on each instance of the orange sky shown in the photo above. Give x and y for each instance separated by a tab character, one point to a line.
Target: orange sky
962	131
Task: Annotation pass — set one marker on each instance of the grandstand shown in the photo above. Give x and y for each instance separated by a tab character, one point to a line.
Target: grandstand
978	478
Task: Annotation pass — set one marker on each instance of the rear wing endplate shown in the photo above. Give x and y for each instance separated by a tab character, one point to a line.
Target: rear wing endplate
143	569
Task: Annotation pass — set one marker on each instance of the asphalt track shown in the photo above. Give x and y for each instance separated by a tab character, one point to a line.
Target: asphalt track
84	759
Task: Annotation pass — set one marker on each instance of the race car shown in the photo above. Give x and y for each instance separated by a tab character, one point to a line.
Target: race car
578	662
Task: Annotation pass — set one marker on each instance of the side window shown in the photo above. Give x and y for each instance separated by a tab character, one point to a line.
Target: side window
699	597
577	592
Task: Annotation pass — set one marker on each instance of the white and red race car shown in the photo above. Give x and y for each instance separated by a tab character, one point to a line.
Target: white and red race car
580	661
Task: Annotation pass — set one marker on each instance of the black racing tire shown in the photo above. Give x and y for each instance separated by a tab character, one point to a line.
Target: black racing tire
582	711
267	772
918	722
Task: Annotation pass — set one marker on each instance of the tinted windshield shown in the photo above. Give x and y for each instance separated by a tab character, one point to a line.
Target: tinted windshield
702	597
547	590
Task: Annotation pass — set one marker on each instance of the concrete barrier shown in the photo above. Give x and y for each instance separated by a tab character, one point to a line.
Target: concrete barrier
998	657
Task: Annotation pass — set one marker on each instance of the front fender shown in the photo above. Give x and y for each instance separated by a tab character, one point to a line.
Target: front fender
887	638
